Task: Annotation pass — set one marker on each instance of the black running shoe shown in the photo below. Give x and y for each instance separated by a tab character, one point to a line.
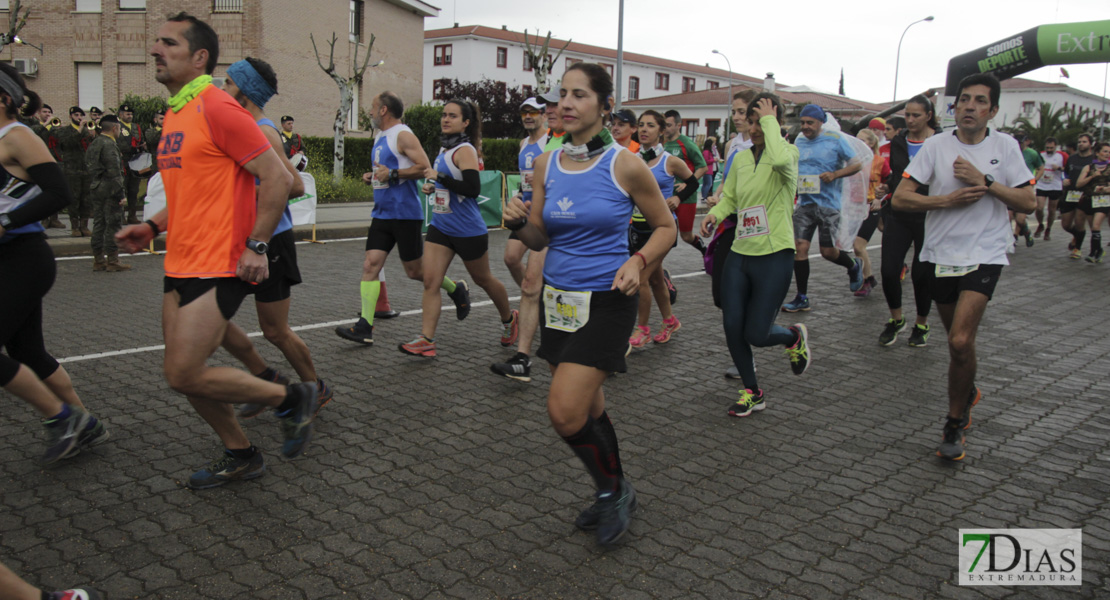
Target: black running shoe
799	352
919	337
952	447
615	513
588	519
518	367
227	468
386	314
891	331
63	436
671	291
461	298
362	332
296	423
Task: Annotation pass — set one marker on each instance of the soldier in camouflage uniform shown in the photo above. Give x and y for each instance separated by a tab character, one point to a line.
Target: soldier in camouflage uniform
105	171
41	123
130	143
153	136
72	140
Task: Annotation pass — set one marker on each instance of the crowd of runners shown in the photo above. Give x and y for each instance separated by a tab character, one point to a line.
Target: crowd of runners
604	196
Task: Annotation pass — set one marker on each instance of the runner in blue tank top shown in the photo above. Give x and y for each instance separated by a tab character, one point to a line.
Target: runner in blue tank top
457	226
665	168
398	219
273	297
580	213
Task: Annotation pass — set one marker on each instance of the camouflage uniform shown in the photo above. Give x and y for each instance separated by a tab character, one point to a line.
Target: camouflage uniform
105	171
71	147
130	144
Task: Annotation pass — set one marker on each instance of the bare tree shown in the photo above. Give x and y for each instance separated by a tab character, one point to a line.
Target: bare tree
347	85
540	60
15	25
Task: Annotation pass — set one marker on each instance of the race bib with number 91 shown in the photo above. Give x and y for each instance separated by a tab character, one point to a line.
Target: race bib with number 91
565	311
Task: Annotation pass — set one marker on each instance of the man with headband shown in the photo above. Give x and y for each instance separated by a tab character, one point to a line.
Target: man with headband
225	191
252	82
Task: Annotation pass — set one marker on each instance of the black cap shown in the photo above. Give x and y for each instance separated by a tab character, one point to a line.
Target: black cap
94	110
76	109
108	120
625	115
123	107
286	119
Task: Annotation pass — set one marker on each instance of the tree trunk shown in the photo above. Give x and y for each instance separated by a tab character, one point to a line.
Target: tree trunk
346	98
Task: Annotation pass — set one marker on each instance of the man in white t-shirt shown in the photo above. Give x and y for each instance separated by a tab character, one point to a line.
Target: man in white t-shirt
975	175
1050	187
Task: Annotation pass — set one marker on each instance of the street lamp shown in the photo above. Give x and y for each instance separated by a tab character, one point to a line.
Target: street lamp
728	101
898	57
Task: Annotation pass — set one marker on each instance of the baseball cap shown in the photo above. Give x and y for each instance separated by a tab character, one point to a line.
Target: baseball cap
73	110
551	97
625	115
286	119
125	107
533	103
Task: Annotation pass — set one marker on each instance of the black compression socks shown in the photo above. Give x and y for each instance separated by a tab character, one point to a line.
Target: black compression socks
1096	241
592	447
801	275
611	434
243	453
845	260
291	399
1080	235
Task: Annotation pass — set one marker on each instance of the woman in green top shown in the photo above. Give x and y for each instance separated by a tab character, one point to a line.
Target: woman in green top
760	189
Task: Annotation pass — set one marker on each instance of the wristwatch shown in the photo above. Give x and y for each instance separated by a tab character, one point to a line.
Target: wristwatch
257	247
394	177
989	180
5	220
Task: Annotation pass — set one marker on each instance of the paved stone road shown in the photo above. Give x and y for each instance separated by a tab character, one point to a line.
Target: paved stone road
434	479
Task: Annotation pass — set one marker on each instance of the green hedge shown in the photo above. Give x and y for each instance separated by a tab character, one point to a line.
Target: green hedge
501	155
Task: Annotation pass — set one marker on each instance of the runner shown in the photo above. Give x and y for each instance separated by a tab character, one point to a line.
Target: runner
398	216
33	188
1073	220
894	126
974	175
1050	187
555	130
1095	183
666	169
209	156
760	191
685	148
624	129
825	160
903	228
252	82
589	299
457	226
880	170
530	277
1035	164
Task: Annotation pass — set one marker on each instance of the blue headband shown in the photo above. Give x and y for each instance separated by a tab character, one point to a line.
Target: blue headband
813	112
250	83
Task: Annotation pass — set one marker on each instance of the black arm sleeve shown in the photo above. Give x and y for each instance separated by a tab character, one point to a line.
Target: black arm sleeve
690	189
469	187
54	197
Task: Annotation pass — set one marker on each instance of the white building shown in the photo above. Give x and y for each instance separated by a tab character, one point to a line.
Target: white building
1023	98
474	52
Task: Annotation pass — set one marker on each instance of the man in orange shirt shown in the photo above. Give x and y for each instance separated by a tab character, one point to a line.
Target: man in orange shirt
210	153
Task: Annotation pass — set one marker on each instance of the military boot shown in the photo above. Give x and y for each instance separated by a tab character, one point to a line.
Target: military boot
99	263
75	227
85	228
114	265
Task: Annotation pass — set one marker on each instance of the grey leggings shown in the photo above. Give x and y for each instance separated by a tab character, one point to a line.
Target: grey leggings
752	290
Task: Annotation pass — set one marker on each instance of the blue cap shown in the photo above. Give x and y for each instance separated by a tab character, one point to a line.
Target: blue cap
813	111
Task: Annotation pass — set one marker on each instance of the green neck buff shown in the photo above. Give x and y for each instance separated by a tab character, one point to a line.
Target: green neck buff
187	93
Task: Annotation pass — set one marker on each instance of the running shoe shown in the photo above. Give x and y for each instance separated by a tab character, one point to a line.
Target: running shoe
891	331
519	367
902	275
323	396
1076	254
1096	255
461	298
864	291
386	314
63	436
1039	231
670	286
251	410
670	326
640	336
227	468
362	332
952	446
82	593
587	520
800	303
94	434
919	337
511	330
855	275
615	513
296	423
799	352
421	346
748	402
732	372
972	399
1028	244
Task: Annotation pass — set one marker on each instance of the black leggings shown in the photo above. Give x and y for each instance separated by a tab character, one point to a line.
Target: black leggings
26	274
898	233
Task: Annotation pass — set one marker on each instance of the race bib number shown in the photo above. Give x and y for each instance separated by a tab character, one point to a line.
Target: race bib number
526	180
1100	201
1073	196
951	271
441	202
565	311
809	184
752	221
378	184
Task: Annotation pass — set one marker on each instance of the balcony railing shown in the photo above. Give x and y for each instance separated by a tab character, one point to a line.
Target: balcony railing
227	6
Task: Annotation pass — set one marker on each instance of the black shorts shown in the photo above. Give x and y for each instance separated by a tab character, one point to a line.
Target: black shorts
867	228
1087	206
638	236
946	290
230	291
284	273
1050	194
1064	207
468	248
403	233
602	342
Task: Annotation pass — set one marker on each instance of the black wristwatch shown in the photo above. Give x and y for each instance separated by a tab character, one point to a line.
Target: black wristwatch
5	221
257	247
394	177
989	180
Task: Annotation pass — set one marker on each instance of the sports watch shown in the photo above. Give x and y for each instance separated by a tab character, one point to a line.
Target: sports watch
989	180
257	247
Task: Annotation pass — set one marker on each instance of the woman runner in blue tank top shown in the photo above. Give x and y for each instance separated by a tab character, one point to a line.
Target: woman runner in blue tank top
457	226
582	199
666	168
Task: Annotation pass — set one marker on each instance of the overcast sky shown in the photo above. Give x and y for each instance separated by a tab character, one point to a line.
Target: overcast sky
803	42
